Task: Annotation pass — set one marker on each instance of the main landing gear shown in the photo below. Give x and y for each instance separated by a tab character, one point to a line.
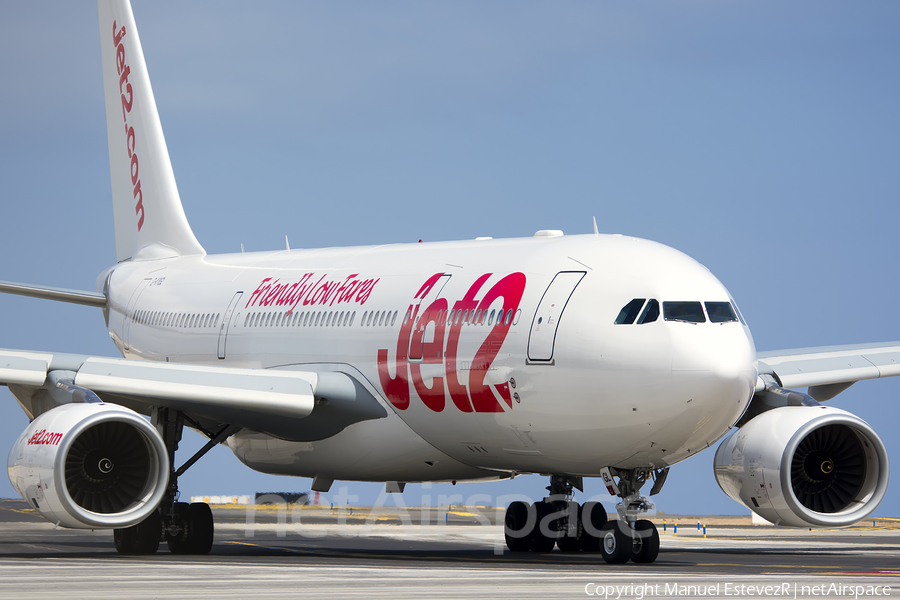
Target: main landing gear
187	528
559	520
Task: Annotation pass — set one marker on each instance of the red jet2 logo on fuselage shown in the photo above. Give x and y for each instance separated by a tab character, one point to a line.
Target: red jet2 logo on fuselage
477	396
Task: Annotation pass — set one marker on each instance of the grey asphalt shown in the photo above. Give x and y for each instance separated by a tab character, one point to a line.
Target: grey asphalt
324	554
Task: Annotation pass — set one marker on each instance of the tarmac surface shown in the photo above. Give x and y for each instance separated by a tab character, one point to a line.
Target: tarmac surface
315	552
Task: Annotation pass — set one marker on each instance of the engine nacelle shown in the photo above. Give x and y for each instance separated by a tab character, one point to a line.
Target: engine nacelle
90	466
805	466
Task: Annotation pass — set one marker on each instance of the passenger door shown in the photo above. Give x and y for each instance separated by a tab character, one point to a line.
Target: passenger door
226	323
542	338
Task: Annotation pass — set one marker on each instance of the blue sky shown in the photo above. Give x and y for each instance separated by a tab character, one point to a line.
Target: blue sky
759	138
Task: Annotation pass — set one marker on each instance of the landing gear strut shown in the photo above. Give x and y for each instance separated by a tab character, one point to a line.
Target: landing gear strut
187	528
556	520
630	538
559	520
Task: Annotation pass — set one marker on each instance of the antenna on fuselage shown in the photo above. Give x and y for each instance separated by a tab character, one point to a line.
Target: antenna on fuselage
596	231
287	245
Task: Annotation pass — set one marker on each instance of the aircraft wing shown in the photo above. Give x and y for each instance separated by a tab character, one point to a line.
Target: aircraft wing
290	404
829	370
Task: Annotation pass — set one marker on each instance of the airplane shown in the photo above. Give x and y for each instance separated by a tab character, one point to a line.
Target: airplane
572	356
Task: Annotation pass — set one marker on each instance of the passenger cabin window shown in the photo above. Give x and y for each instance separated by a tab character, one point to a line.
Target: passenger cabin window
720	312
630	311
688	312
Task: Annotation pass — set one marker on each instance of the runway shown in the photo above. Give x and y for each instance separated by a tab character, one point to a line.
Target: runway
323	554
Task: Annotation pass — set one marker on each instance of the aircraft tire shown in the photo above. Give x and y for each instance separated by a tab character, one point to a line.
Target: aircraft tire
515	521
197	518
645	548
179	545
593	518
539	541
616	544
200	536
572	543
142	538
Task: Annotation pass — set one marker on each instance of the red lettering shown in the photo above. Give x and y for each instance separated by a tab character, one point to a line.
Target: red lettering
341	291
365	290
296	297
415	346
289	295
457	390
433	396
256	293
307	300
510	288
321	295
135	169
44	438
271	291
118	37
126	104
129	140
123	80
281	298
397	388
139	205
324	292
120	59
474	395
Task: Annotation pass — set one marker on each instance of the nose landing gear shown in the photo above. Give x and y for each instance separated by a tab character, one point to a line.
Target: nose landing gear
630	538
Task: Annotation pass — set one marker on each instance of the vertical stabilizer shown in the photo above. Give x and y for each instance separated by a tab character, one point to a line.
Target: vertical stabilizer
146	203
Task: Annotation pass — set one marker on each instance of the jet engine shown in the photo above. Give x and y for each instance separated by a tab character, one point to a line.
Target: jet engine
90	466
804	466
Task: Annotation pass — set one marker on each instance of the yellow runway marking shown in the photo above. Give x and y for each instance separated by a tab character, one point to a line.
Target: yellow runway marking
23	511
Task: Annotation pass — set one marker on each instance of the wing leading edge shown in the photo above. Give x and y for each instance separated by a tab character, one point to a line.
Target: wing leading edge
289	404
829	370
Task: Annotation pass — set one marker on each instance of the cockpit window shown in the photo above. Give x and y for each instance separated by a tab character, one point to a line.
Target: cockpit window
650	314
630	312
690	312
738	311
720	312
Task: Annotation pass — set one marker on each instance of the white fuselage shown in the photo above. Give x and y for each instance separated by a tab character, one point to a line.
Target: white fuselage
491	357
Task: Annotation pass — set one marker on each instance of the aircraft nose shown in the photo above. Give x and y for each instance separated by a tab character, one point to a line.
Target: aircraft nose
721	354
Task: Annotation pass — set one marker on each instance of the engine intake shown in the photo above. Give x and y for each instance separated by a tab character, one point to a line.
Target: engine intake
90	466
805	466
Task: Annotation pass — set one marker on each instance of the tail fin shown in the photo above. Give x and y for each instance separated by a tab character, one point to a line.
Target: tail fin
146	204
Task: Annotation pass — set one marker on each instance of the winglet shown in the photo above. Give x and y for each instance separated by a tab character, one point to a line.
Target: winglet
146	205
